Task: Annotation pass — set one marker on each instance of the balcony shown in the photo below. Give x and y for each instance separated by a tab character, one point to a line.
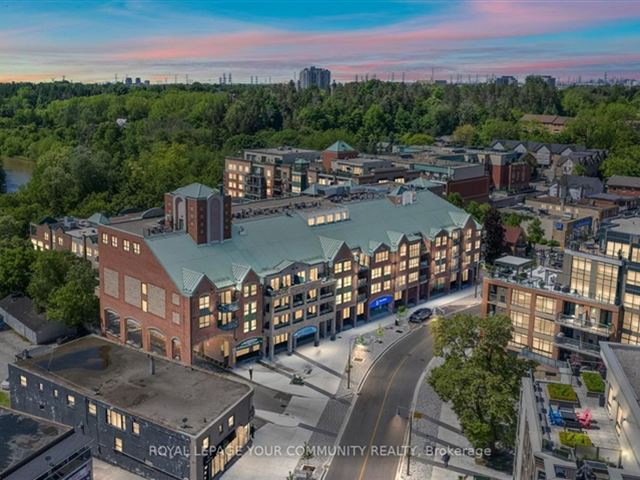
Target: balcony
575	345
362	282
228	307
579	322
233	324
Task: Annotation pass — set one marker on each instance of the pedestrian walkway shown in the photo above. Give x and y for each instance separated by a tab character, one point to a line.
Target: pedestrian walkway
437	429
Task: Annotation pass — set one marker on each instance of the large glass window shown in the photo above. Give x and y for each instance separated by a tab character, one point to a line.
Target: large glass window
580	276
632	301
615	249
545	304
521	299
633	278
606	282
116	419
543	347
519	319
543	326
631	322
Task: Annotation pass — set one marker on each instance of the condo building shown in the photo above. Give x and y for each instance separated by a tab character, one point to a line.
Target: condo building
195	284
566	312
603	415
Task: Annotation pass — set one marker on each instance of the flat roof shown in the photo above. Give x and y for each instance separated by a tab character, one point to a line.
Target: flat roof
626	225
120	376
22	435
513	261
280	150
628	356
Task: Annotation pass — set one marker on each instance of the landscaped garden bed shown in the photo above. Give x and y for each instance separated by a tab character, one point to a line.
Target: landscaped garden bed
575	439
561	392
593	381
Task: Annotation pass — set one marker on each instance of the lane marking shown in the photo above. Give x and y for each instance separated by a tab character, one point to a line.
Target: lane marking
384	401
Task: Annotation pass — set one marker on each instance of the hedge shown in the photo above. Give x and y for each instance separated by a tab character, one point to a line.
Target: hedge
593	381
561	392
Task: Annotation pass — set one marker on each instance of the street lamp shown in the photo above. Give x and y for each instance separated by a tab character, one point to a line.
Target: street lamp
410	417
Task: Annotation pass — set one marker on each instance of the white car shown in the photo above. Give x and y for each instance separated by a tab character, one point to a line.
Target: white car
5	384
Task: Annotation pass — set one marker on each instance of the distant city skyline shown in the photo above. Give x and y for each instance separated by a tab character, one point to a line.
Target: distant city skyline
93	41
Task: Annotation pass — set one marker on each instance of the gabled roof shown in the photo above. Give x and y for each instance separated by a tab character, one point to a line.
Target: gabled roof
99	219
340	146
511	234
623	181
422	182
196	190
268	241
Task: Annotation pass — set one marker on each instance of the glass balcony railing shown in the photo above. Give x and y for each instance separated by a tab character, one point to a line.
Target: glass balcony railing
586	324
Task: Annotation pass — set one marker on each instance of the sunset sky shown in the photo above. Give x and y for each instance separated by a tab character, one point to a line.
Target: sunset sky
92	40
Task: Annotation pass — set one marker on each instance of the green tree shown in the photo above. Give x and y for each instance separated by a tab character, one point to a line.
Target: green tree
535	233
455	198
15	268
75	303
49	272
625	161
494	235
512	219
479	377
465	135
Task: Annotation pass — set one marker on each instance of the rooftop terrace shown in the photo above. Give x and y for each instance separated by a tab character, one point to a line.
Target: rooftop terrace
121	376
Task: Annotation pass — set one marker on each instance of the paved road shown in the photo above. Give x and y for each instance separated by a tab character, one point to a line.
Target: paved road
374	424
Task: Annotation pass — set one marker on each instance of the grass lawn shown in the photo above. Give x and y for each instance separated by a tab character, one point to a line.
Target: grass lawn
593	381
4	399
561	392
572	439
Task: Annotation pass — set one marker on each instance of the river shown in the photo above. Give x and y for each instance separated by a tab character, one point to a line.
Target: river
17	171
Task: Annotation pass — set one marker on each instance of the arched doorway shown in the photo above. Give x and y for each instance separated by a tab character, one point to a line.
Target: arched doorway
134	333
157	342
112	322
176	349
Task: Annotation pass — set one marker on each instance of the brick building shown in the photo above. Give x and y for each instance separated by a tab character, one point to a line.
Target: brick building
623	185
198	284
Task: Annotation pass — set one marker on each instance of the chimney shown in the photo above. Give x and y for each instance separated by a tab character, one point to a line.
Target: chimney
152	365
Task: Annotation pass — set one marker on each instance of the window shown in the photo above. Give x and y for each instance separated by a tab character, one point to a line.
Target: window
175	318
402	266
519	319
250	308
204	302
543	347
41	387
250	290
518	340
386	270
401	281
205	444
343	282
136	248
204	320
135	427
635	254
382	256
632	301
250	325
175	299
615	249
23	380
606	282
114	241
55	393
545	304
543	326
386	285
313	274
413	262
312	294
346	297
338	299
105	238
414	250
117	444
631	322
376	273
145	305
71	401
413	277
633	278
126	245
376	287
231	421
116	419
143	287
403	250
580	275
92	409
521	299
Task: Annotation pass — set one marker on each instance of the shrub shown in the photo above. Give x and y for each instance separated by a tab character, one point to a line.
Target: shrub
593	381
575	439
561	392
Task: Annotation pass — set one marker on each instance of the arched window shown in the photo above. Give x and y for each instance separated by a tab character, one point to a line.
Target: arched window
179	214
157	342
176	349
134	333
112	322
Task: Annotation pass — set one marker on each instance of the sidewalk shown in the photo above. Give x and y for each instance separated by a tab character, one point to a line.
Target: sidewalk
439	428
319	408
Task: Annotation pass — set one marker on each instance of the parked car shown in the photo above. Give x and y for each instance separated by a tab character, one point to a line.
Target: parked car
420	315
5	384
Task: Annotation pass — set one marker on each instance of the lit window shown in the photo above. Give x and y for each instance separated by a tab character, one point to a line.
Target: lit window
376	287
382	256
40	387
231	421
136	248
376	272
143	286
135	427
204	320
204	302
414	250
105	238
71	400
55	392
126	245
145	306
23	380
205	444
92	409
117	444
116	419
114	241
220	428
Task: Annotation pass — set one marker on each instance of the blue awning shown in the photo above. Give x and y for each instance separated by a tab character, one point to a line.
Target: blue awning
304	331
249	342
379	302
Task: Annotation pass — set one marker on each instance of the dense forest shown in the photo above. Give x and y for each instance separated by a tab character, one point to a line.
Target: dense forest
109	147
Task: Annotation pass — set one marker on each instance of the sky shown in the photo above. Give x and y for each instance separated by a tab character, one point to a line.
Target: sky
165	40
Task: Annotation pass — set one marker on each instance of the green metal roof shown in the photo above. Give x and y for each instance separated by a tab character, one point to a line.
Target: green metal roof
196	190
340	146
268	244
